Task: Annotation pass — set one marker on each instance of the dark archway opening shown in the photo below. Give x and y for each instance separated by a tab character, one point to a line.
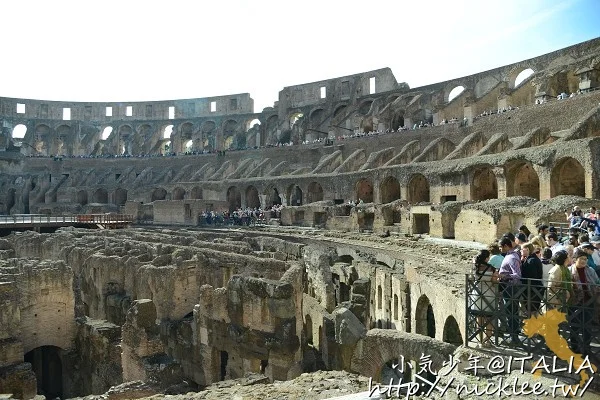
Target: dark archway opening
568	177
120	197
47	365
273	198
234	198
418	189
294	196
252	199
159	194
100	196
223	369
452	333
390	190
178	193
484	185
364	191
523	181
315	193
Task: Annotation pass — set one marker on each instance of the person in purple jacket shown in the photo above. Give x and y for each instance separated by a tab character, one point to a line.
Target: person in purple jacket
511	288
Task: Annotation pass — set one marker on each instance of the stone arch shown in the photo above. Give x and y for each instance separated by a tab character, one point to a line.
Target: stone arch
100	196
308	329
397	120
63	140
424	317
339	109
125	139
178	193
390	190
316	117
208	130
47	364
158	194
484	185
82	197
229	134
418	189
19	131
365	107
120	196
252	199
519	76
522	180
364	190
454	93
452	333
315	193
294	195
273	197
568	177
234	198
196	193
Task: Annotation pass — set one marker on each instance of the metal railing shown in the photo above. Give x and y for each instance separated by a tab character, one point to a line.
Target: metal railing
497	314
43	219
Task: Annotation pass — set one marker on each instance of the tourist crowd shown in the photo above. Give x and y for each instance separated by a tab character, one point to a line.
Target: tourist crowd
242	216
526	274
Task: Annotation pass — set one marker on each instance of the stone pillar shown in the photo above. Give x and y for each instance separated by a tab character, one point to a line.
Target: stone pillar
501	181
544	174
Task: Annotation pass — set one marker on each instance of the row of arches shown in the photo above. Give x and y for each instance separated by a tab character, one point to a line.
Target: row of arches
425	323
293	196
514	80
144	139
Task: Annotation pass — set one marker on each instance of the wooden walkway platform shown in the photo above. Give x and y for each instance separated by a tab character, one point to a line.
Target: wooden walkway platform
38	221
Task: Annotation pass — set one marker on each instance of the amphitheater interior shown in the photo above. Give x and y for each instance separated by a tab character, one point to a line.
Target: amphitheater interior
384	192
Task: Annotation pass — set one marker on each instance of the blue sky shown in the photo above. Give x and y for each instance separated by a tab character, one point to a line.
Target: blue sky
117	50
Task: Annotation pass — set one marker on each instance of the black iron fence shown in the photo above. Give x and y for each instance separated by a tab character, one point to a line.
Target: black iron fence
524	315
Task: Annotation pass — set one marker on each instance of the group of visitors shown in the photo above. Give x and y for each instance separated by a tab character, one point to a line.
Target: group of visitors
241	217
525	274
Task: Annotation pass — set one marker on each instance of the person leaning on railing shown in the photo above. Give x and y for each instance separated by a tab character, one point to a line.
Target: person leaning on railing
560	282
582	304
484	295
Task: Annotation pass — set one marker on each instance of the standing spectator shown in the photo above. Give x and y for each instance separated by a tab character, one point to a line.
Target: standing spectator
555	245
581	308
484	296
539	239
546	265
560	282
532	273
510	287
496	258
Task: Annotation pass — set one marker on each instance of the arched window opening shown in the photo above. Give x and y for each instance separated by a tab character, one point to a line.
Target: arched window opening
454	93
523	75
19	131
106	132
390	190
234	198
294	118
188	145
167	132
254	123
568	177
